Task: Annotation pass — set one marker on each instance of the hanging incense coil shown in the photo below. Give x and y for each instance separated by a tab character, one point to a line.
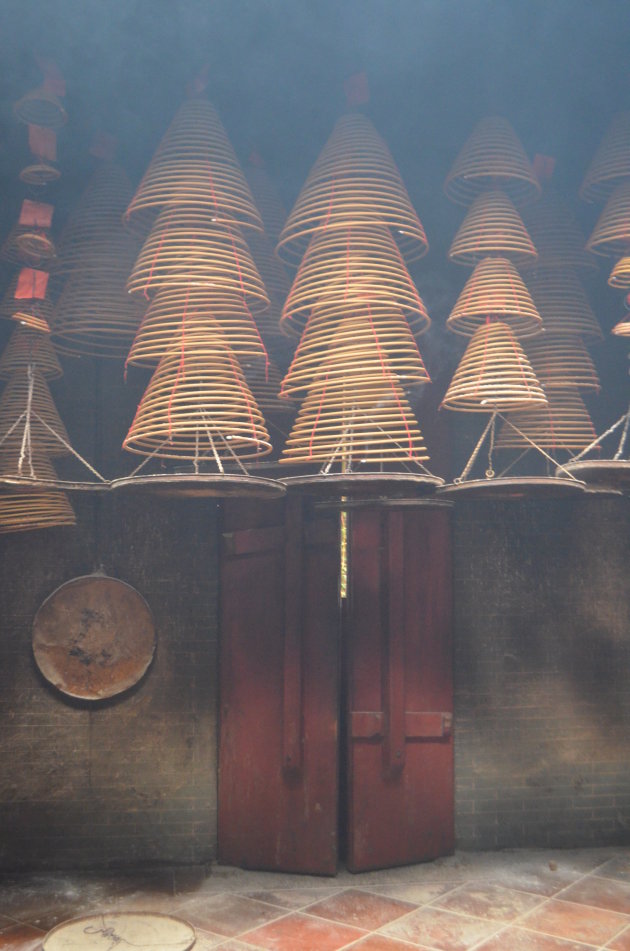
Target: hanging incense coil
611	163
33	308
265	384
41	107
495	291
29	241
492	226
276	282
492	157
620	274
198	406
267	200
26	348
195	165
561	360
562	303
354	182
556	234
611	234
493	374
353	264
26	403
564	424
29	507
622	329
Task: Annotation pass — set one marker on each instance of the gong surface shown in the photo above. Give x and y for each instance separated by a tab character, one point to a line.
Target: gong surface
516	488
93	637
123	931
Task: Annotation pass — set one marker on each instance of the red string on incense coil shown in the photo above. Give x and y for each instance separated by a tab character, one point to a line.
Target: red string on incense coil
14	404
492	226
556	234
611	163
562	303
620	274
492	157
195	165
495	291
354	182
26	300
564	424
493	374
611	234
561	360
41	107
26	348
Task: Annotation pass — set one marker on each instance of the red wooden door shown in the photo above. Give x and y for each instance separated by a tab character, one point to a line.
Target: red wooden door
400	756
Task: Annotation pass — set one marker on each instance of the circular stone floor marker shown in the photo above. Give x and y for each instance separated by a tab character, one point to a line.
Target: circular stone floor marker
121	931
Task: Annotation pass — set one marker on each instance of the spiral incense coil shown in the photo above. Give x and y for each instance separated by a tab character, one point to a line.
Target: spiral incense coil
562	303
186	247
493	374
26	348
192	308
492	226
344	266
41	107
492	157
39	173
29	509
47	430
362	336
564	423
611	234
30	245
354	182
556	234
622	329
265	383
495	290
198	405
267	200
195	165
33	312
276	281
561	360
620	274
611	162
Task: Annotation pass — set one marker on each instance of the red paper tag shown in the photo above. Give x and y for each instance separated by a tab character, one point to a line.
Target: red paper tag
36	213
53	78
543	167
31	284
356	89
42	142
104	146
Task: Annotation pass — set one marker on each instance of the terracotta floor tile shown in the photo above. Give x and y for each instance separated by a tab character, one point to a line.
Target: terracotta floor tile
6	922
488	901
621	942
416	894
618	868
545	882
517	939
299	932
601	892
440	929
379	942
576	922
228	915
292	898
361	908
21	938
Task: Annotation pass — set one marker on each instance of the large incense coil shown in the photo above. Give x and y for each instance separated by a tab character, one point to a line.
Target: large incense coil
267	200
276	281
562	303
33	312
195	165
185	247
343	267
492	226
493	374
564	423
611	162
556	233
41	107
561	360
26	348
193	309
355	182
611	234
495	290
492	157
47	430
620	274
198	404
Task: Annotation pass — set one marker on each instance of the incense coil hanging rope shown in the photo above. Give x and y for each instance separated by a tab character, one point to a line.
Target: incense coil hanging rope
41	107
561	360
562	303
492	157
611	234
33	312
564	423
25	409
26	348
492	226
495	290
611	162
556	234
198	406
267	200
354	181
493	374
620	274
195	165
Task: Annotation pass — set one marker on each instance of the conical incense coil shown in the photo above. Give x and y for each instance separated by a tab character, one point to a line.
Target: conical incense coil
620	274
611	234
353	182
29	241
556	234
611	162
492	157
195	165
562	303
26	405
28	508
198	406
493	374
265	383
561	360
564	423
492	226
26	348
348	265
276	281
193	309
267	200
41	107
185	247
341	341
495	290
26	300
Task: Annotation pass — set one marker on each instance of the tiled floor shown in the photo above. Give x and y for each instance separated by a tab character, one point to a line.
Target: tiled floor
505	901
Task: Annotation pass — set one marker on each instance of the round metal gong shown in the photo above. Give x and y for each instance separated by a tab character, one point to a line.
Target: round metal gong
123	931
93	637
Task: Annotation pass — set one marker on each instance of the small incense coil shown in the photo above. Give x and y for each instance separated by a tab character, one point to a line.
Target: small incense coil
39	173
268	201
29	244
33	312
611	163
48	432
198	405
492	157
556	234
354	182
493	374
351	337
562	303
492	226
41	107
495	290
26	508
564	423
26	348
620	274
343	267
193	309
611	234
561	360
186	247
622	329
195	165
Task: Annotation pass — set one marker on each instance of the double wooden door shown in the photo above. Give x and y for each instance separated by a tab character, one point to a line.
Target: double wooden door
332	710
